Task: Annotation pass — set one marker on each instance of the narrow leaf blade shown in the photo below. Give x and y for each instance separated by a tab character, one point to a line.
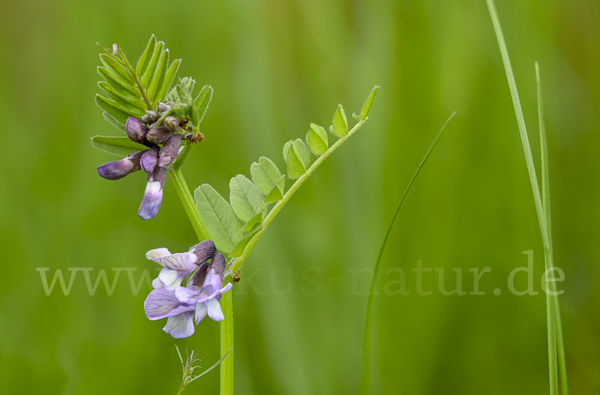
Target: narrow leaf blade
139	69
158	74
119	146
168	80
202	101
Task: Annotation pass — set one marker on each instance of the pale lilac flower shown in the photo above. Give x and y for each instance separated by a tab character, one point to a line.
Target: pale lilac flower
206	298
201	295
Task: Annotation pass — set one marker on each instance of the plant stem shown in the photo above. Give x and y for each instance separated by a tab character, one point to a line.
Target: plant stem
188	204
226	335
236	263
226	301
364	386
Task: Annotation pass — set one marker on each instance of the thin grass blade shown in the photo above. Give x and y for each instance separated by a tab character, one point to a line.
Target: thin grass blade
364	387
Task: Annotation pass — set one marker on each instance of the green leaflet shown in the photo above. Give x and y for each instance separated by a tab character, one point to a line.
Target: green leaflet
294	166
115	67
224	227
124	105
266	175
119	146
253	223
115	78
158	75
202	101
142	65
247	201
123	93
297	158
340	121
276	193
317	139
167	80
364	112
149	71
113	109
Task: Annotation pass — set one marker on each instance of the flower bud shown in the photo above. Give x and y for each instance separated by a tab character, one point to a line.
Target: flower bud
120	168
162	107
149	117
172	123
159	135
168	153
135	130
204	251
149	160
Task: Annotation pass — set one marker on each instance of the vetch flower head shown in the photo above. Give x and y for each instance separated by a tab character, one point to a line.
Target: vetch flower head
156	160
201	295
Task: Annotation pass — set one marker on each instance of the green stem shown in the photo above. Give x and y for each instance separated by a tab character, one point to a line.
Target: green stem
226	335
226	301
236	263
188	204
364	386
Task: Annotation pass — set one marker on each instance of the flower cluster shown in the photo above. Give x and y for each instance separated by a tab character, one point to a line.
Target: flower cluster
201	295
163	147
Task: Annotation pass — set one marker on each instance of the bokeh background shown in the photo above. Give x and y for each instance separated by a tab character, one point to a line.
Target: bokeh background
277	66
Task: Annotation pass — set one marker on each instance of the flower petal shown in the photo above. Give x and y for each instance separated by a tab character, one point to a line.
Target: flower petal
151	201
161	303
179	261
180	325
200	312
171	279
214	310
156	283
157	252
221	291
186	295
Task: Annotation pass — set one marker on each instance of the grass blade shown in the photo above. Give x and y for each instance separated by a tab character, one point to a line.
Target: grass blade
364	387
542	205
552	303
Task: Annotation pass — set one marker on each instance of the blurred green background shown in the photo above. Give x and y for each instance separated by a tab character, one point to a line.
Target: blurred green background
299	309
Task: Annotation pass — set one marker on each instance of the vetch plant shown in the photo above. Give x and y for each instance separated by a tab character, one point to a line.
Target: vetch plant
161	119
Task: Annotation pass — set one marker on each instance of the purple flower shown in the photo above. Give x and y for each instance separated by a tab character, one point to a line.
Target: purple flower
120	168
153	195
155	161
201	295
206	298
